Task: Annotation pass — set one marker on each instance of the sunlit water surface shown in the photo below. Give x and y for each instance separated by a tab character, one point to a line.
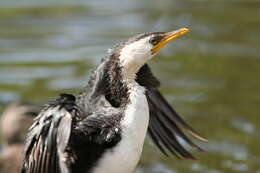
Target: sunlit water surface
210	76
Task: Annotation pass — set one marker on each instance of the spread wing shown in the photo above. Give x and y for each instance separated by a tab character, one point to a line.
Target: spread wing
48	137
164	126
63	139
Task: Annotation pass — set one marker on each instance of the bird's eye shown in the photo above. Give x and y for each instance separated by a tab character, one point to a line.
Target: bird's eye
154	40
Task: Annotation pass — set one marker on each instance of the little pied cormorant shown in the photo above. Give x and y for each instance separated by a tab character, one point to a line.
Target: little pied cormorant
103	129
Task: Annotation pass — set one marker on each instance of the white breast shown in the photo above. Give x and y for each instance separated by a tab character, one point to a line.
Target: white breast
125	156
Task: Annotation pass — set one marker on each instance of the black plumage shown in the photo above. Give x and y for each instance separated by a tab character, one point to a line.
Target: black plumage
72	133
164	120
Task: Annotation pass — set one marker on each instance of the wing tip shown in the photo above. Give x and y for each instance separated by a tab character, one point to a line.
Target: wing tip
198	136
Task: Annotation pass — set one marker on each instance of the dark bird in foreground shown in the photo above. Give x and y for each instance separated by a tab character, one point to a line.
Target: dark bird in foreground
15	122
103	129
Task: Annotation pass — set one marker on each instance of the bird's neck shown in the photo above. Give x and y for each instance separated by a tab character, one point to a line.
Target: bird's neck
129	71
118	82
110	80
130	64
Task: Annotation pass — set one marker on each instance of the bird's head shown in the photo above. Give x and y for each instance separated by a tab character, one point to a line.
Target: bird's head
136	51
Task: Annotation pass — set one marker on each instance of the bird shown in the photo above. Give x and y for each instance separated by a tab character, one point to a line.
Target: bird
103	128
15	121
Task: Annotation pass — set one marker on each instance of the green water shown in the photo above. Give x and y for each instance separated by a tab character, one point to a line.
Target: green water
210	76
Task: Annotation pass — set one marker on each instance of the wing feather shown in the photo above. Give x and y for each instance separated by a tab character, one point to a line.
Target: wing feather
165	124
53	146
45	148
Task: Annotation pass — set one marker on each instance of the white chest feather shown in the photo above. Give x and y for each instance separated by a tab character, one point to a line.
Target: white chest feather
125	156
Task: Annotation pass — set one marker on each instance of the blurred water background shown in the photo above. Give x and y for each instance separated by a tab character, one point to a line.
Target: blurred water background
210	76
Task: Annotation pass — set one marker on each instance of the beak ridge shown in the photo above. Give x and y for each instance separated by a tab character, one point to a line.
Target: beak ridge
169	36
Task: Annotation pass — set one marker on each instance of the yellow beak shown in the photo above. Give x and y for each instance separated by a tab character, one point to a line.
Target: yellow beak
169	37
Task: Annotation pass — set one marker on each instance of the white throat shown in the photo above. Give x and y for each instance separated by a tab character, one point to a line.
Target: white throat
134	55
